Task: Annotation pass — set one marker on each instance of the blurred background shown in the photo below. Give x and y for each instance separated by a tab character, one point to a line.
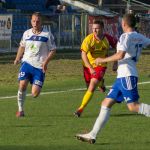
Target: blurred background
69	20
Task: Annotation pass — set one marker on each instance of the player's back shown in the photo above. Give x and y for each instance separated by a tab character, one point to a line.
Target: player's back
132	43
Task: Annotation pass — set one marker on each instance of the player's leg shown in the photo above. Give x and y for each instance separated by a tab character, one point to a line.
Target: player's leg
37	82
87	77
130	92
21	97
100	122
140	108
87	96
101	72
23	78
93	81
101	86
113	96
36	89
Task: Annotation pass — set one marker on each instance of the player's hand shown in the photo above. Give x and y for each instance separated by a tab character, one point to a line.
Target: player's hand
92	71
98	61
16	61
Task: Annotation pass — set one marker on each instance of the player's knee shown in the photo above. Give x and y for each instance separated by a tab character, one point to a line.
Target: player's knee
22	87
107	102
133	108
35	94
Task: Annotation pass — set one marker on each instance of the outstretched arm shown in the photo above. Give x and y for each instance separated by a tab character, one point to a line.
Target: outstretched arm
117	56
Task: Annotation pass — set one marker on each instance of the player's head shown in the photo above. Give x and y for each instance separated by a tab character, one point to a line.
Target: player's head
36	20
128	21
97	27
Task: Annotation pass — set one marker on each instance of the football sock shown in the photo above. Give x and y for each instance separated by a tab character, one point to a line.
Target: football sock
87	97
21	98
144	109
100	121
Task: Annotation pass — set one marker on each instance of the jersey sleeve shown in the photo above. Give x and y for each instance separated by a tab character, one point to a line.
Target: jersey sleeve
112	41
51	42
23	41
123	43
85	46
146	42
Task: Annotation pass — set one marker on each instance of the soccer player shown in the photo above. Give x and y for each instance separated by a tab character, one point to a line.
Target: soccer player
124	88
37	48
94	45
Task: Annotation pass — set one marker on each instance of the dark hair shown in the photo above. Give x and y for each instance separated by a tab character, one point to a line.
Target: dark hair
99	22
130	20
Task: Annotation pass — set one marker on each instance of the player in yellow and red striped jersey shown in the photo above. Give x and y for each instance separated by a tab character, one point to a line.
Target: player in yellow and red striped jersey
94	45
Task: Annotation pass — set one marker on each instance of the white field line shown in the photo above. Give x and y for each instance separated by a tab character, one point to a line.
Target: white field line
63	91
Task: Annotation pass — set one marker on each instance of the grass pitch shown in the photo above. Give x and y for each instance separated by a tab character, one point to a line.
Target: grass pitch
49	123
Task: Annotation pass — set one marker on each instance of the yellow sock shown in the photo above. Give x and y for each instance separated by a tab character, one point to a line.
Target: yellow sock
87	97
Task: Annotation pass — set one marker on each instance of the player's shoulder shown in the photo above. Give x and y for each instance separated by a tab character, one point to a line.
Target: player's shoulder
89	37
46	32
124	36
108	37
28	31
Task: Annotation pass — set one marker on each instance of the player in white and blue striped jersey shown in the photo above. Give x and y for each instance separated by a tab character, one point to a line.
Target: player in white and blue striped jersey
37	47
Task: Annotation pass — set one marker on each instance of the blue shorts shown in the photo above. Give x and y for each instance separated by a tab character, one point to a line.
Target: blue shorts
34	75
124	89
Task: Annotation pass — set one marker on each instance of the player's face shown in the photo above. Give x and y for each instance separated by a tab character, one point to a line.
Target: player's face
36	22
97	29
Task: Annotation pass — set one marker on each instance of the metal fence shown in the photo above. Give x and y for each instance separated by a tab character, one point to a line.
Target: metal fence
144	25
69	30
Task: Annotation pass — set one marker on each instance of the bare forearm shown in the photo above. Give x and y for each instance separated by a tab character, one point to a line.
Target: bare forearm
85	60
50	56
19	55
117	56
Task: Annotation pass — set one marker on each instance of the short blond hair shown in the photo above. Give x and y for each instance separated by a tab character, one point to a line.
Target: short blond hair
38	14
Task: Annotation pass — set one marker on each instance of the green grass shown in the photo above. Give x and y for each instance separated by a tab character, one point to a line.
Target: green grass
49	123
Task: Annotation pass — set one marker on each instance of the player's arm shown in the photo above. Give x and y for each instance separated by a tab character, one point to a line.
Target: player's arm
113	43
117	56
86	62
49	57
19	55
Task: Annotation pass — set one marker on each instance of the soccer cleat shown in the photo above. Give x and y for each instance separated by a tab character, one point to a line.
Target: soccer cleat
86	138
20	114
78	113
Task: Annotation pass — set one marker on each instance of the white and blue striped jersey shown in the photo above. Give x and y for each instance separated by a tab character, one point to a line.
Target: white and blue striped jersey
132	43
37	47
